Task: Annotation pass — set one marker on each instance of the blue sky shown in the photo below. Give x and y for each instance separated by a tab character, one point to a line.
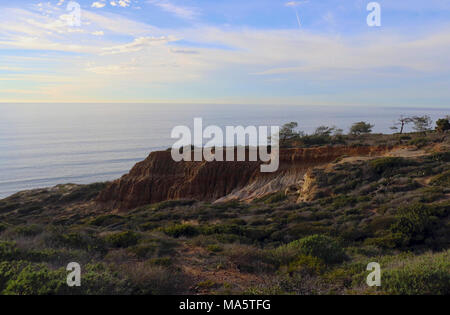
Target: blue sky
226	51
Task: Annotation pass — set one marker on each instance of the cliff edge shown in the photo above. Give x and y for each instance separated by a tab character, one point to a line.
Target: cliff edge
159	178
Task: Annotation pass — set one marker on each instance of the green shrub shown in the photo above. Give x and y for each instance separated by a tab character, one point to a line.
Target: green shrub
307	264
320	246
182	230
9	270
172	204
440	156
426	274
36	280
83	193
441	180
76	240
122	239
28	230
442	124
161	261
215	248
251	260
419	222
430	194
387	164
419	142
8	251
106	220
146	250
272	198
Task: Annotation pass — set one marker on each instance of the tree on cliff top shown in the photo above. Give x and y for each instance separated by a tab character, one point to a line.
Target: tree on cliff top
361	128
287	131
422	123
443	124
402	122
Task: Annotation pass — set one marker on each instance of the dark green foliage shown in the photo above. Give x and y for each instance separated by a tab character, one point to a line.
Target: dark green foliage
122	239
8	206
422	123
83	193
36	280
361	128
106	220
8	251
419	142
440	156
22	278
320	246
287	132
252	260
441	180
386	210
387	164
28	230
277	197
419	223
172	204
182	230
427	274
442	125
3	227
75	240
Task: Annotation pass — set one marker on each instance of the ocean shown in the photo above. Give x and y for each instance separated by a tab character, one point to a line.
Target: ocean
42	145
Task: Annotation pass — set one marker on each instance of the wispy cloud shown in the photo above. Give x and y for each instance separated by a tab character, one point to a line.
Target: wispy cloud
117	47
138	44
180	11
98	4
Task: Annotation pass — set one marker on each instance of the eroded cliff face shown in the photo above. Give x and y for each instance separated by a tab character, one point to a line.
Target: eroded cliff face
159	178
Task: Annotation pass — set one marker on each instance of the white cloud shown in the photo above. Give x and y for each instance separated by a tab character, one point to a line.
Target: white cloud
120	3
98	5
182	12
113	69
266	55
138	44
294	3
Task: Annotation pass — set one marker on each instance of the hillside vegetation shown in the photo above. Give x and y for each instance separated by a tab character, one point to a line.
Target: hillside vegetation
313	239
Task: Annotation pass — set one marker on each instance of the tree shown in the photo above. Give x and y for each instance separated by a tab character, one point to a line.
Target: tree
288	132
422	123
443	124
402	122
361	128
324	131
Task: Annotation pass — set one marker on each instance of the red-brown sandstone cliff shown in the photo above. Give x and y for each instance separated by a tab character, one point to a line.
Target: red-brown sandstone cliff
159	178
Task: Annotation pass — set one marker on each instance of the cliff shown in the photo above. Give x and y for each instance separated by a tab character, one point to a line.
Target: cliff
159	178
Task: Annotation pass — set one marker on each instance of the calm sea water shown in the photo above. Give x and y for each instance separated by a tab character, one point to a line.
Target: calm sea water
44	145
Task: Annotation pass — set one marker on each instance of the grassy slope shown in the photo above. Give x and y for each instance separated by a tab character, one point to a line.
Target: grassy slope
394	211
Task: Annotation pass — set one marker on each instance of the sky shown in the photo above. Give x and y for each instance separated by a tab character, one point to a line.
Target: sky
226	51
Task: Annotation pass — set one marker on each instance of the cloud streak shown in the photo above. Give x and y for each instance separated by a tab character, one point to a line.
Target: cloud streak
179	11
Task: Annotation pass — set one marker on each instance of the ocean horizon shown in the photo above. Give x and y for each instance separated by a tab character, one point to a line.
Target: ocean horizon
43	145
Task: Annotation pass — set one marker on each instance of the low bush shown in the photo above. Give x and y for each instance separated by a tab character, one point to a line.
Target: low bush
28	230
250	259
441	180
419	223
320	246
425	274
182	230
122	239
387	164
172	204
106	220
419	142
